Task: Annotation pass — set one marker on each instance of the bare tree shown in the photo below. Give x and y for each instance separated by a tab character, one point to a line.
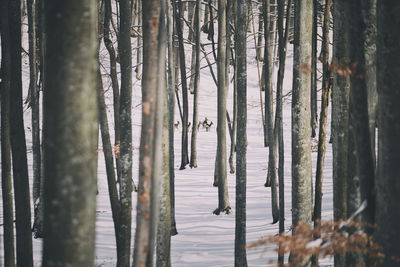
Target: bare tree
70	133
301	132
241	80
6	183
388	198
18	143
221	172
153	86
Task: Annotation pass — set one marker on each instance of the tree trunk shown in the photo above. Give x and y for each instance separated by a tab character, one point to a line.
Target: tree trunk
223	197
314	79
70	133
388	184
6	184
241	76
109	163
125	183
113	75
359	101
153	84
341	133
301	131
171	112
278	128
193	147
184	151
164	226
326	84
18	143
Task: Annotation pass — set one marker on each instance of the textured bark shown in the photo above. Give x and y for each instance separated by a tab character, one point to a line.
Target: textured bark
325	95
113	75
178	10
221	172
157	160
359	101
6	183
370	62
326	86
164	226
340	108
193	147
301	132
150	140
109	163
70	133
388	183
171	110
278	128
18	143
241	139
34	100
272	138
125	114
314	106
343	159
301	114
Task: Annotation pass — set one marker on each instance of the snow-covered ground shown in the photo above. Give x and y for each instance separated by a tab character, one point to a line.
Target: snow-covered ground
205	239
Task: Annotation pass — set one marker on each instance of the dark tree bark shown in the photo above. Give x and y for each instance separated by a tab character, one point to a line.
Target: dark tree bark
6	183
113	74
171	110
241	139
70	133
125	113
359	101
326	84
18	143
272	138
344	163
388	183
314	79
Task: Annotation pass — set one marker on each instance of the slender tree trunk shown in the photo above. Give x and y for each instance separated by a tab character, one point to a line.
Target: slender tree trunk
326	84
223	197
150	141
388	198
109	163
70	133
164	226
241	72
125	183
178	19
18	143
278	128
34	101
113	75
171	112
269	103
272	138
314	79
6	183
301	130
193	154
